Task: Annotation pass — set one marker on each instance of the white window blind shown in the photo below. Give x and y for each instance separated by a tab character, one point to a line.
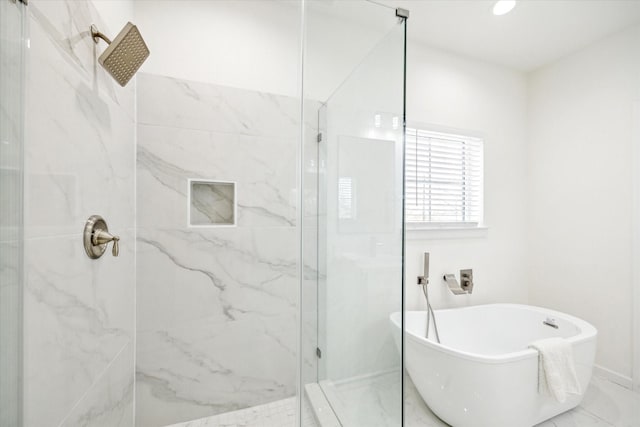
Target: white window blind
443	178
346	205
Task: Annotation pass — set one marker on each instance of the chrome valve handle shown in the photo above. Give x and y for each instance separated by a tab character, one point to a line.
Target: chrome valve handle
102	237
96	236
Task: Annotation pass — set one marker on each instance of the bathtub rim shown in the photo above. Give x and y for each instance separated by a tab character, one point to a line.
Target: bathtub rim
587	333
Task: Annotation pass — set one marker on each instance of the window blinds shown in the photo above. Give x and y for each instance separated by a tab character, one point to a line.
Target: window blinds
443	178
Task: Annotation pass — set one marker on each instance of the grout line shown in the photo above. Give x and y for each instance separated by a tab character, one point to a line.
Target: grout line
284	137
135	250
93	384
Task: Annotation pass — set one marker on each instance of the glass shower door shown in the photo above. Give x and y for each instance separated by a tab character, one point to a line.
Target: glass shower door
360	235
11	225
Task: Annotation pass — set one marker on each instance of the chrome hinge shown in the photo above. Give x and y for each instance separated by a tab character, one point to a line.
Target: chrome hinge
318	353
319	137
402	13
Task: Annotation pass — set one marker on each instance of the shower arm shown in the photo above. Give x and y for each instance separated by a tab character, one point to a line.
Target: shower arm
95	34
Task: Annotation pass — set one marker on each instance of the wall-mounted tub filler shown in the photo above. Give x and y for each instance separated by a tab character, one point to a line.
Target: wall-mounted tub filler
125	54
466	282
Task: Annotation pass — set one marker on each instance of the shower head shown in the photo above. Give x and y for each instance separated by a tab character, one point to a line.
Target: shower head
125	54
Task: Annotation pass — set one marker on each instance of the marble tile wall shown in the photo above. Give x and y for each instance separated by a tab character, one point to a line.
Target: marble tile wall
79	160
216	307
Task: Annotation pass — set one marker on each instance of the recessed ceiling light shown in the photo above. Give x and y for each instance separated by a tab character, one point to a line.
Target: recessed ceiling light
503	7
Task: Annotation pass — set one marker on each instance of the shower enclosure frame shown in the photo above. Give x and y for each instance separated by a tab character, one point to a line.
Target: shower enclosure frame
12	228
401	15
635	262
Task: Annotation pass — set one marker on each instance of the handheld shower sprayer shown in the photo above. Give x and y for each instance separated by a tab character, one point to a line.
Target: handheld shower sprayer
423	281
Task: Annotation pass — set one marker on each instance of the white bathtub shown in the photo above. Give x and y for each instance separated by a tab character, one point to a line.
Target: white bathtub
483	374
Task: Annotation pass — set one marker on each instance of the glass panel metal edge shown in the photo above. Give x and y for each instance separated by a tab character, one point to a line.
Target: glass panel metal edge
397	26
12	74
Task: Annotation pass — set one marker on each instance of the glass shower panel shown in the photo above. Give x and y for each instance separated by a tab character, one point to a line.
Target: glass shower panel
359	239
11	225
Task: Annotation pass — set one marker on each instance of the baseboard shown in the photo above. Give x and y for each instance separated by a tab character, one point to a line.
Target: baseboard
366	377
614	377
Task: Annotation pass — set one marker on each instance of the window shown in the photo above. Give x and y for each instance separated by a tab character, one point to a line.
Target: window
346	205
443	179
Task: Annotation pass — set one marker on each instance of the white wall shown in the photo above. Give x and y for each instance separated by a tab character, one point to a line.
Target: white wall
115	14
453	92
246	44
255	44
579	184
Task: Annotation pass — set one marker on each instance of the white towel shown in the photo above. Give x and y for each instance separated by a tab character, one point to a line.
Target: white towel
556	370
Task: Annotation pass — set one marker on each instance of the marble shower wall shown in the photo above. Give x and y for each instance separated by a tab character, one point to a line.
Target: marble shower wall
79	160
216	306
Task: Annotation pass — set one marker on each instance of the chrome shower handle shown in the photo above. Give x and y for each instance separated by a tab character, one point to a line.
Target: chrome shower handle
96	236
102	237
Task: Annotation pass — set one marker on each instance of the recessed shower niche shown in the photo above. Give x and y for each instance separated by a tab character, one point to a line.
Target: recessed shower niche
212	203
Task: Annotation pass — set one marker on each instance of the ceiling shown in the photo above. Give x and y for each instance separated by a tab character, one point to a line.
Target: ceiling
536	32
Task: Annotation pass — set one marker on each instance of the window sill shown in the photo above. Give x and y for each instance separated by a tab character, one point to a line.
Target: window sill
425	232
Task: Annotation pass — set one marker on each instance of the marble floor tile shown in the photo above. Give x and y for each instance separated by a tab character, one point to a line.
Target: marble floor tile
605	404
372	401
281	413
417	413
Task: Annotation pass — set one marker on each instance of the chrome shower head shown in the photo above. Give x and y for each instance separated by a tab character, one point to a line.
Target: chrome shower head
125	54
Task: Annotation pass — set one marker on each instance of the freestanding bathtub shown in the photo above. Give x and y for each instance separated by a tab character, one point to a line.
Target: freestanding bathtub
482	374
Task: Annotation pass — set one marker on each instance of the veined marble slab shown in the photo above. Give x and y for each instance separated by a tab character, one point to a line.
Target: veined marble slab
264	169
223	273
212	367
109	401
79	157
194	105
79	161
217	307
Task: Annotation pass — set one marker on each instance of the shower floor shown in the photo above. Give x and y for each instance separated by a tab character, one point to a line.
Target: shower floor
281	413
